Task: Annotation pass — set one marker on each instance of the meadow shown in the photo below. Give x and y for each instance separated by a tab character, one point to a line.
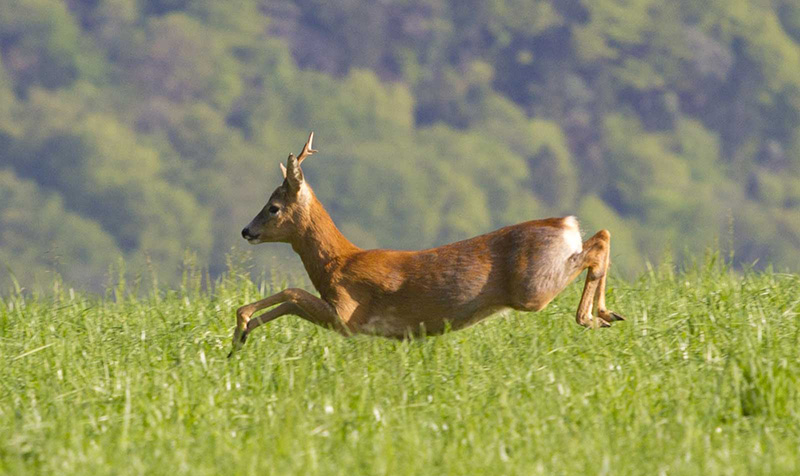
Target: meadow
703	378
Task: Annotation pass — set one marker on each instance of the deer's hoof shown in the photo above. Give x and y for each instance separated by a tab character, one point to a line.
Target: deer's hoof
239	338
609	316
593	322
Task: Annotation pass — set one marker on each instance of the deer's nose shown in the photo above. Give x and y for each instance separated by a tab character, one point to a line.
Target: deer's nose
246	234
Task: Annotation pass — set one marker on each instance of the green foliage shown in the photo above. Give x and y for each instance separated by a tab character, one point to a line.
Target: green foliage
614	25
701	379
7	101
39	234
183	63
40	42
456	97
595	214
674	124
701	150
553	174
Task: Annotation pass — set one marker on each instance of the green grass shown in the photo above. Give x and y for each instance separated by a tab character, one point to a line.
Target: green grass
703	378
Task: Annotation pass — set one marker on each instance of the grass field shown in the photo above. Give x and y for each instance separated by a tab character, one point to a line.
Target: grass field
703	378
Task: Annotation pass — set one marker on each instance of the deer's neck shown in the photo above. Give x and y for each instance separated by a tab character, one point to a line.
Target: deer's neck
320	246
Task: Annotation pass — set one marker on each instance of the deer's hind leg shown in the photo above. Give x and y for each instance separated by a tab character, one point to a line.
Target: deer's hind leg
600	299
596	258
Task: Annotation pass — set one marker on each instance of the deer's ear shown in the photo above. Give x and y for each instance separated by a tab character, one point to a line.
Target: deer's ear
294	176
283	169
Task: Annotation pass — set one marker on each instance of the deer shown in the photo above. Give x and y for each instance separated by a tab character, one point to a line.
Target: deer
409	294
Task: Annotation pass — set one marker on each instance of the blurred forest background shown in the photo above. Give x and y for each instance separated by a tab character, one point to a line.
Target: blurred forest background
146	128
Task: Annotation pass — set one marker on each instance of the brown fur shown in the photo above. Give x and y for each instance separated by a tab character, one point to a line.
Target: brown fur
406	293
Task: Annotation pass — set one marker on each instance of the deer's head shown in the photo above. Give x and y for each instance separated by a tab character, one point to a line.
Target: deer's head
288	208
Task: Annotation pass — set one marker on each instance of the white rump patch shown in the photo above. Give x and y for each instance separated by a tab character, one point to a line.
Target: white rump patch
572	234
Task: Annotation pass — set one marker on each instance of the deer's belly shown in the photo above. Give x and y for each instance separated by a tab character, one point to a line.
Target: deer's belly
399	327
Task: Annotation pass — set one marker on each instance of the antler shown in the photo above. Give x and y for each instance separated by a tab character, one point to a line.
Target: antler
307	150
292	170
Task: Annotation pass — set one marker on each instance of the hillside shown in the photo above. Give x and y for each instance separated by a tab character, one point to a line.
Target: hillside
152	129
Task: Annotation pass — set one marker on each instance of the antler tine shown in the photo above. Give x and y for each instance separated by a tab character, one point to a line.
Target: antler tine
307	150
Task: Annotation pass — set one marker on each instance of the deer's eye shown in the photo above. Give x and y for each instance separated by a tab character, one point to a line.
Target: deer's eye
273	209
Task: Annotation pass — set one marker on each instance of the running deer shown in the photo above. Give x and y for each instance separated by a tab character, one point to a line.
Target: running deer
410	293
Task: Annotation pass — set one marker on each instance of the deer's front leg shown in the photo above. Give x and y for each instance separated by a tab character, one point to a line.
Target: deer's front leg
240	337
295	301
244	313
317	311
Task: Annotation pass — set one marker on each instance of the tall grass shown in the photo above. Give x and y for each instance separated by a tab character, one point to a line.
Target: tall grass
703	378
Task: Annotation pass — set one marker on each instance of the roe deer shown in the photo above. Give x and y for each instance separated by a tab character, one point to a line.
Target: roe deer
406	293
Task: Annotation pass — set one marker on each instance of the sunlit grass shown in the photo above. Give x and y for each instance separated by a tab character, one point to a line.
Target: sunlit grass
703	378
